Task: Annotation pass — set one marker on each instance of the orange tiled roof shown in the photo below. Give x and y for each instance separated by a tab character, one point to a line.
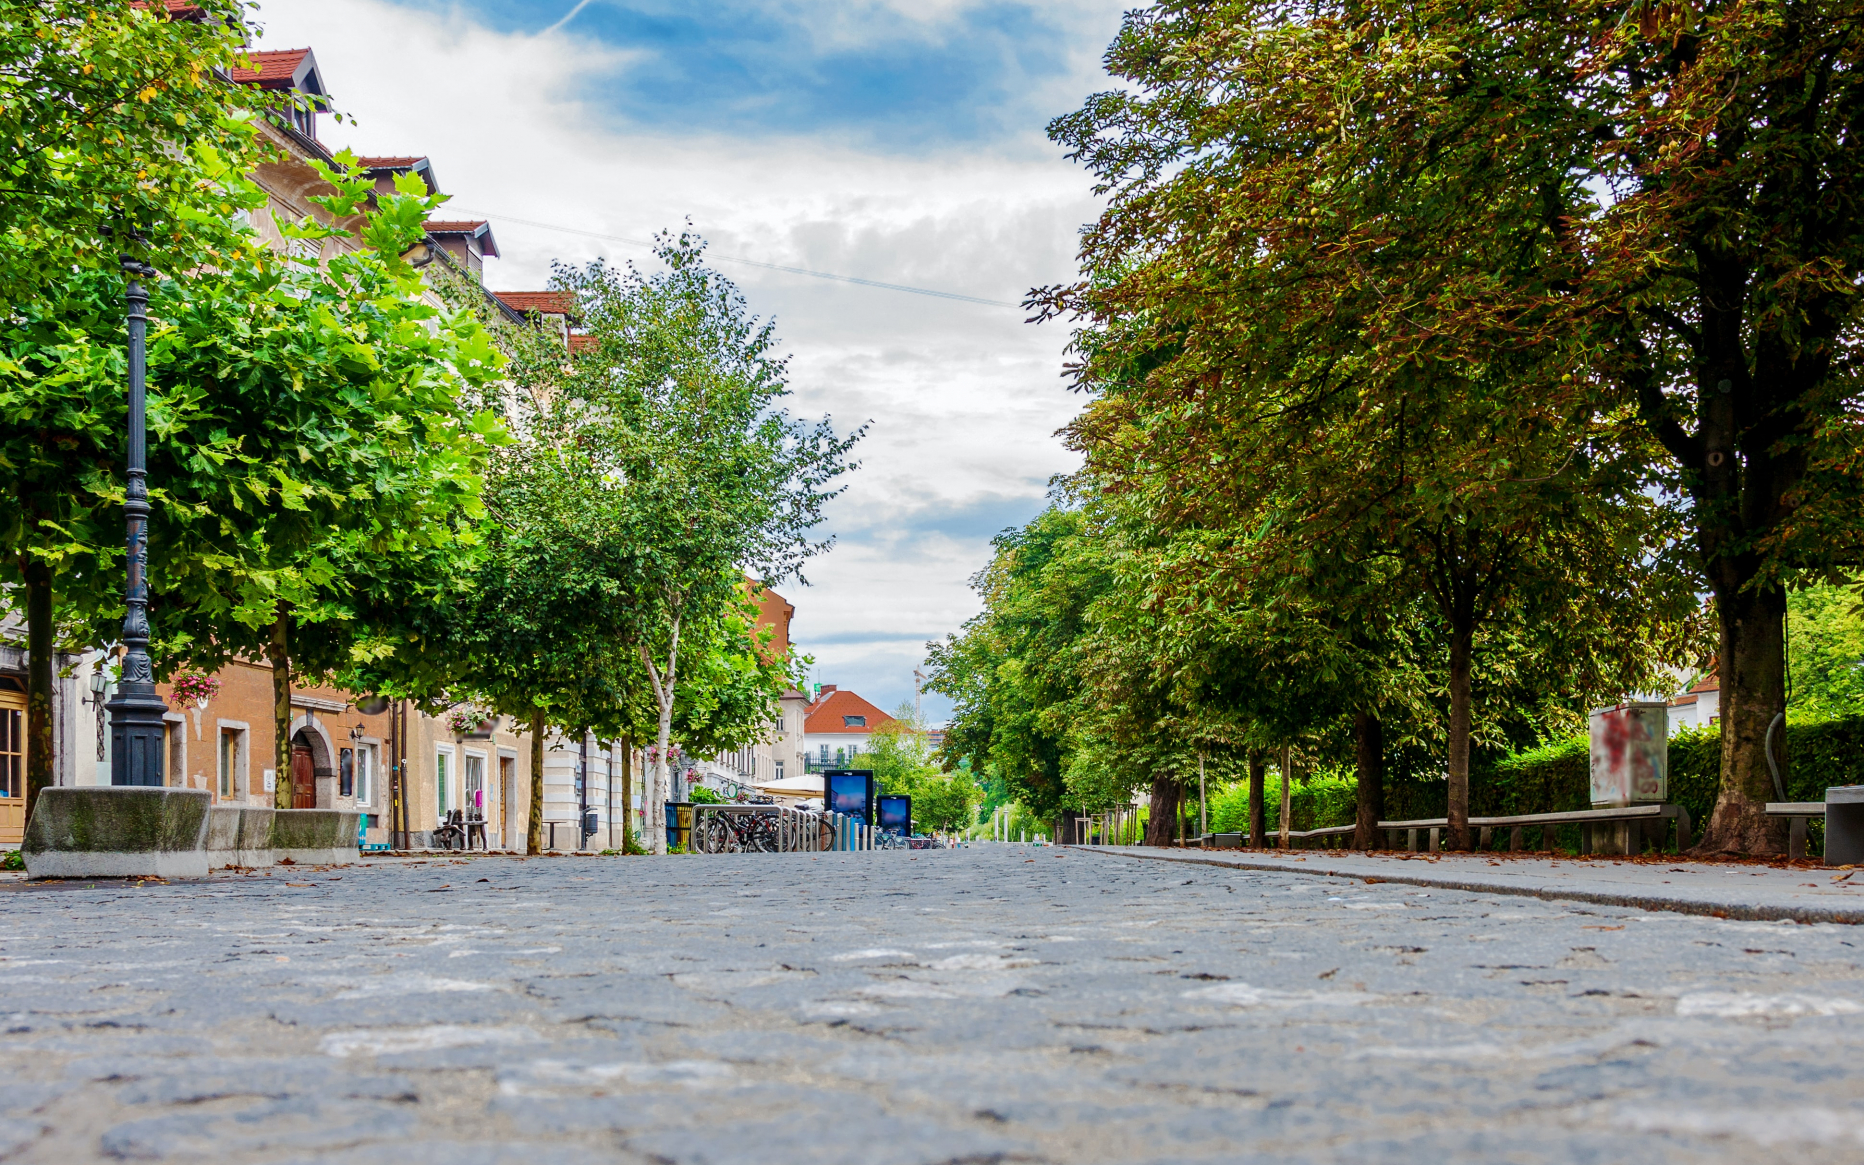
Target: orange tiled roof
827	714
180	9
455	227
561	303
581	343
273	70
396	162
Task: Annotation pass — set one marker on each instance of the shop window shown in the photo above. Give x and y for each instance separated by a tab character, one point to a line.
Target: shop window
12	752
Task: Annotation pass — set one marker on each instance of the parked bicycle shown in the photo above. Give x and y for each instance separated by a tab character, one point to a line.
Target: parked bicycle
733	833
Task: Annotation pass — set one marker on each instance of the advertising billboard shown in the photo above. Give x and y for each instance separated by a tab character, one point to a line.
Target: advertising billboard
1630	754
849	791
895	812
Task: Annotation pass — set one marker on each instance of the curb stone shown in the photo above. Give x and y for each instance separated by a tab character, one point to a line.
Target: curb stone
1740	911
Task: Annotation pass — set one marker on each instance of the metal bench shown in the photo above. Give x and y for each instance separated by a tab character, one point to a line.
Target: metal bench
1843	811
1798	815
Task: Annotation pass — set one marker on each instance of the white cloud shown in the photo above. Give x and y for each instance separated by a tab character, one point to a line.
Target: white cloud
964	398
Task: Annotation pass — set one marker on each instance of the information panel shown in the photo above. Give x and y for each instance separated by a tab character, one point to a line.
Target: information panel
895	814
850	791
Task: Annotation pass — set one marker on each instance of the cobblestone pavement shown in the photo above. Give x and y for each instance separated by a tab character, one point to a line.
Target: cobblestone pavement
996	1003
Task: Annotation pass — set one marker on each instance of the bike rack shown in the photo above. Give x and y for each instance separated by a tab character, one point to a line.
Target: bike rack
798	830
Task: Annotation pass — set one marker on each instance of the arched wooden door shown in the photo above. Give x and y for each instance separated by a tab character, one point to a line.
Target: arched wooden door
303	777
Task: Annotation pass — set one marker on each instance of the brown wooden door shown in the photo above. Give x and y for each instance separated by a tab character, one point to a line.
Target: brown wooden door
505	768
303	779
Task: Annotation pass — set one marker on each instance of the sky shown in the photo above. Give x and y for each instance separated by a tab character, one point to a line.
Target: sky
898	141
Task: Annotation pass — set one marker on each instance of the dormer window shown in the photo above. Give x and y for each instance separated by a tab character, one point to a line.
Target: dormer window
854	722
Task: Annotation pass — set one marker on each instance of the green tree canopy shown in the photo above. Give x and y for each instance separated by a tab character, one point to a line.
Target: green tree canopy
675	399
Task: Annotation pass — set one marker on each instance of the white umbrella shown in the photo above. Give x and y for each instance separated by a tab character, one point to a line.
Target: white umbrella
807	785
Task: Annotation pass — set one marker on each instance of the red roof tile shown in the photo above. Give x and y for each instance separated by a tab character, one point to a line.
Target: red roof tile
179	9
397	162
581	343
273	70
455	227
561	303
829	714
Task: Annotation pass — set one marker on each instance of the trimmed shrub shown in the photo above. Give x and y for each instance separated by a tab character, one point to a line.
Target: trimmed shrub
1314	804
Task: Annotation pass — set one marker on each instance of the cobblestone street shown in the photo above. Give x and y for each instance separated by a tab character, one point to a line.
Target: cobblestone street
995	1003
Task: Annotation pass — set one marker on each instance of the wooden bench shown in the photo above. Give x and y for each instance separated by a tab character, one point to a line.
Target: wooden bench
1628	827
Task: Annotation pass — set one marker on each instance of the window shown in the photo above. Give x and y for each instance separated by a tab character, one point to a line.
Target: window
475	783
175	734
346	772
12	752
440	783
825	754
854	722
779	770
365	773
229	754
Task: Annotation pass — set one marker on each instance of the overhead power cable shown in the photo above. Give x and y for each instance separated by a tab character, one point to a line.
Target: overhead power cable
486	214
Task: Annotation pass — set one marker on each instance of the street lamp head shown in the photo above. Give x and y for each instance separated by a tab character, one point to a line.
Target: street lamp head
99	679
135	268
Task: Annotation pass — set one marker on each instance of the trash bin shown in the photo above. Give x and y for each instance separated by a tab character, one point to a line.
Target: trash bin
680	824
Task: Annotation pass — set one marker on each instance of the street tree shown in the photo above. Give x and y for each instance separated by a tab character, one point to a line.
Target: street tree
1280	346
1651	200
120	138
313	449
676	398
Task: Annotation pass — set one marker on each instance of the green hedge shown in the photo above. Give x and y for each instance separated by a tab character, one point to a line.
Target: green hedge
1554	778
1314	804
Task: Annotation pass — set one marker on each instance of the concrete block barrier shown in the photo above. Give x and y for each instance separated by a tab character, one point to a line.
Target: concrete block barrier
315	837
123	831
240	835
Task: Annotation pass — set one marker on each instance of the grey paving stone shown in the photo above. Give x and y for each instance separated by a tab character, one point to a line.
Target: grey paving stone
998	1003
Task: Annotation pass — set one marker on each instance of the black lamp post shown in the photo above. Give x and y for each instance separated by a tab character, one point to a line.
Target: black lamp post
136	711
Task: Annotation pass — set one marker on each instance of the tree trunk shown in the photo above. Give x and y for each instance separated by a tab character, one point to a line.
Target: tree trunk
627	790
1752	667
661	789
38	680
534	830
1369	769
1160	822
658	784
1258	817
1462	643
1287	792
278	651
582	794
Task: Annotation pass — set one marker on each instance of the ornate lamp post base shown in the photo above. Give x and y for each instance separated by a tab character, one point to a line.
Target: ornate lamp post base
136	734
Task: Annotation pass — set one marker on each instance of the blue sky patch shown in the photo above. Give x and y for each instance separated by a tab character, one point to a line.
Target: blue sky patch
838	67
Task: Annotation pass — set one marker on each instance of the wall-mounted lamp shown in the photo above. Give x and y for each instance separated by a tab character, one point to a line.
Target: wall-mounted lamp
99	682
419	255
